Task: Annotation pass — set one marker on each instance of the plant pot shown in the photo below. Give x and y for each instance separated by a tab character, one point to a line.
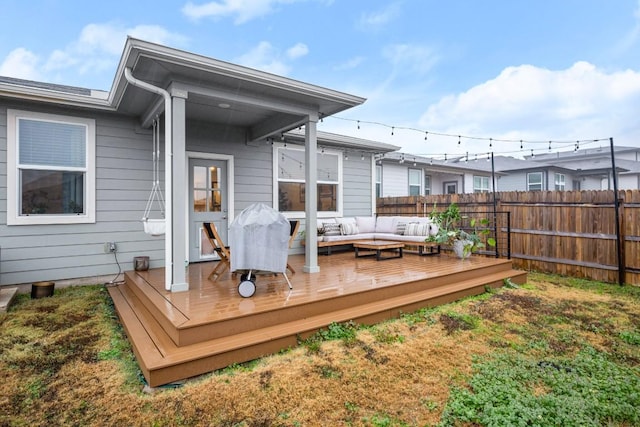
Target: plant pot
458	248
42	289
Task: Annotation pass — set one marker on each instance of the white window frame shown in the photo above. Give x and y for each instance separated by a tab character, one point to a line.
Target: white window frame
529	184
560	181
417	174
276	180
13	171
481	188
427	185
378	172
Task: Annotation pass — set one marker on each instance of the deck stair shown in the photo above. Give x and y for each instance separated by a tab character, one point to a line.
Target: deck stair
171	345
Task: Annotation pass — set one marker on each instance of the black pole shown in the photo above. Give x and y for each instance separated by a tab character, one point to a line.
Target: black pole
495	217
616	204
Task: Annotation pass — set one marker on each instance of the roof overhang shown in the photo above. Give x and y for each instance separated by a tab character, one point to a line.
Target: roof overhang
260	103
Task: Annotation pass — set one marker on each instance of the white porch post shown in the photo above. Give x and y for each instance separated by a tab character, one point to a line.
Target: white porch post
179	196
311	190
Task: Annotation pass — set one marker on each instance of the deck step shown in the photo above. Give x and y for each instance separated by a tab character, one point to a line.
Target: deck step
159	356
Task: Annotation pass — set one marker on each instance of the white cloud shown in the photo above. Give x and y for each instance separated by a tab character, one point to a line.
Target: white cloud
408	57
264	57
298	50
21	63
379	18
243	10
350	64
527	102
97	49
632	36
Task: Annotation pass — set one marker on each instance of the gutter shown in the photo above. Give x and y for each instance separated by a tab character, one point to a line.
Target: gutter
168	172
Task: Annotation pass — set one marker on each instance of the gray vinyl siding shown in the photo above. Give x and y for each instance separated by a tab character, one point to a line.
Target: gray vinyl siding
357	184
512	181
32	253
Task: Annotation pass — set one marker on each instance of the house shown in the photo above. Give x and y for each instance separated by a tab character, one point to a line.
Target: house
592	166
402	174
77	165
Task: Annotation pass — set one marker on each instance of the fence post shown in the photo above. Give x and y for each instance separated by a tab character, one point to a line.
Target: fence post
616	196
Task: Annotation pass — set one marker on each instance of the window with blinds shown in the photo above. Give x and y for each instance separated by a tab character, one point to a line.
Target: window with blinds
51	168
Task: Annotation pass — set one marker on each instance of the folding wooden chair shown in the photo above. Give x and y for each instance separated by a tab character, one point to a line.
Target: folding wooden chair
295	225
219	247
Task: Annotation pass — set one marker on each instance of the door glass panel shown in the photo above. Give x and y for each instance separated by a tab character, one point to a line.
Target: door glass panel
199	201
199	177
215	177
215	201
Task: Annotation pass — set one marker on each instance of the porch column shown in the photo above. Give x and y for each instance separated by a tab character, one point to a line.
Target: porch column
179	198
311	196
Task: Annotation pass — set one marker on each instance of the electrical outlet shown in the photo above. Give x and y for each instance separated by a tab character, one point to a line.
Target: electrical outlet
110	247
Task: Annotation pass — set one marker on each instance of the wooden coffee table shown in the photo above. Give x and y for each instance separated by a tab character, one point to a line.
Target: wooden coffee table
378	246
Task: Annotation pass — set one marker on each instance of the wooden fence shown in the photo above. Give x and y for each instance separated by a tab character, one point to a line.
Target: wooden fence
565	232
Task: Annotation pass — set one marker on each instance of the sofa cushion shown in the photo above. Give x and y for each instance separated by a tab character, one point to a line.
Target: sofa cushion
366	224
386	224
347	220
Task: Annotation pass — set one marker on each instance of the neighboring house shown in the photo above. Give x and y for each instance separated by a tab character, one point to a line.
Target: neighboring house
593	167
402	174
76	164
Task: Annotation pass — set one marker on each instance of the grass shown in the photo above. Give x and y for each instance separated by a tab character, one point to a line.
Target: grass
556	351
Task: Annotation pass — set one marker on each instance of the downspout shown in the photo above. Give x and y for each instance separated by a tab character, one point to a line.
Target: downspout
168	172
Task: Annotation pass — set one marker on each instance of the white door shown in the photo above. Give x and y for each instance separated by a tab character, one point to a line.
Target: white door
208	202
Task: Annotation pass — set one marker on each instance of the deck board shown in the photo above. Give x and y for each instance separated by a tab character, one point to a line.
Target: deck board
176	335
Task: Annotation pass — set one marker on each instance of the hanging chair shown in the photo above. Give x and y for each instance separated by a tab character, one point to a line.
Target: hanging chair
155	227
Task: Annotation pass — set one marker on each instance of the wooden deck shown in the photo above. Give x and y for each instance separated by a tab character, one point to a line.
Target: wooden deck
180	335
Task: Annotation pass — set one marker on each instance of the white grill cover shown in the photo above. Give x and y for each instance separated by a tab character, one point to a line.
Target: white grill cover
259	239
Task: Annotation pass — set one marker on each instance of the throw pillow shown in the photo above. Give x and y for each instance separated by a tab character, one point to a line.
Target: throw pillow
417	229
331	229
401	227
348	229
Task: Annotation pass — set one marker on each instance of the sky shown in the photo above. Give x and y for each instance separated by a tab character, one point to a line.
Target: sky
440	77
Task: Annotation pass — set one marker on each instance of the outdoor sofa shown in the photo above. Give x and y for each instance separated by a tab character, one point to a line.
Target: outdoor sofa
335	232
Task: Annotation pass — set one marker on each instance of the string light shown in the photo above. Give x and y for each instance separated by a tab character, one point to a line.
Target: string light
549	146
466	159
358	124
458	139
362	156
460	136
426	134
532	155
490	142
445	157
488	157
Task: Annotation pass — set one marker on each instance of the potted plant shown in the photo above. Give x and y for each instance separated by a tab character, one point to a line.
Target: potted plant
463	242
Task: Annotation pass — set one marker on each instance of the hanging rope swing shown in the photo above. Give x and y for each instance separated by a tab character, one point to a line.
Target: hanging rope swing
155	227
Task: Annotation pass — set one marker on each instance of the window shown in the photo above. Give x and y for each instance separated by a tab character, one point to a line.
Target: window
51	169
480	184
378	181
559	181
427	185
534	181
414	182
450	187
291	181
